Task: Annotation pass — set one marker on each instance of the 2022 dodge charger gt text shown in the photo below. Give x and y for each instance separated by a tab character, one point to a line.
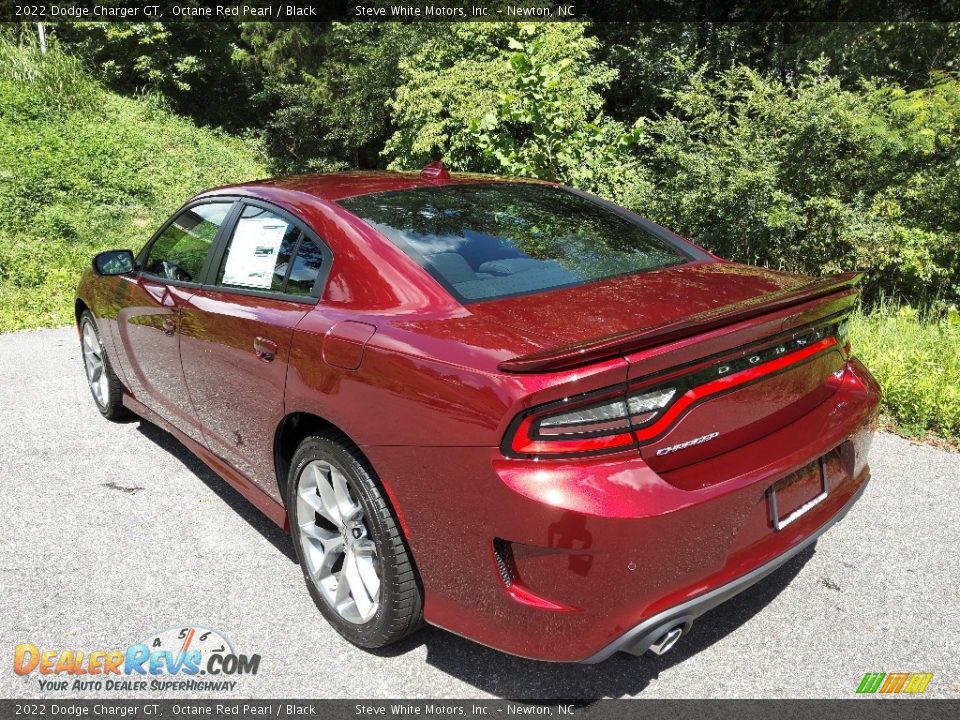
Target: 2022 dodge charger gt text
503	407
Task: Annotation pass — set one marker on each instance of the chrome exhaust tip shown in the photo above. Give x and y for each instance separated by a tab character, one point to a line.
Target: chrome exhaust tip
665	642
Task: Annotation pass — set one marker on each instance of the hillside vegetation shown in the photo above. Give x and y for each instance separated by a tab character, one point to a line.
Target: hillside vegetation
83	169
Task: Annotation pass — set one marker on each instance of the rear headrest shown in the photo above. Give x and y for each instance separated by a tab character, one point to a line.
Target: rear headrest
452	266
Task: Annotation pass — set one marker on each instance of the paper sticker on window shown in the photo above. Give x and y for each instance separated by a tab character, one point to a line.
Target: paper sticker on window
253	252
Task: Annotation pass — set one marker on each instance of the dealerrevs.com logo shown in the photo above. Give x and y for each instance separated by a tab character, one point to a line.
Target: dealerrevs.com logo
187	658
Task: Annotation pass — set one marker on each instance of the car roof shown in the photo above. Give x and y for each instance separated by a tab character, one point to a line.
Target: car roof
342	185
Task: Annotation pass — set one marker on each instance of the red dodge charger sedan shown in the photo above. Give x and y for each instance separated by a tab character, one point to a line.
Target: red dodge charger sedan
503	407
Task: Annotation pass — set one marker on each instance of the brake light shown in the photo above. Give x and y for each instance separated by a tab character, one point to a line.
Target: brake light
589	428
619	419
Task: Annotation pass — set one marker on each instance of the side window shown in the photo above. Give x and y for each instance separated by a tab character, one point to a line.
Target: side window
180	251
268	253
259	251
306	267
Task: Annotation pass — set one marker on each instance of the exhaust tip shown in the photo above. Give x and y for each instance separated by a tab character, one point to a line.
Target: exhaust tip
665	642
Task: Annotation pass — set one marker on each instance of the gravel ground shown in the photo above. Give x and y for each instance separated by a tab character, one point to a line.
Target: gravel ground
112	532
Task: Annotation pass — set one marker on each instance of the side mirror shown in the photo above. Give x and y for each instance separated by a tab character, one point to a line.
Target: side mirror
113	262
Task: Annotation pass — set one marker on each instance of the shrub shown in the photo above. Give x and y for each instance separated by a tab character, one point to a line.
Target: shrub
813	178
917	364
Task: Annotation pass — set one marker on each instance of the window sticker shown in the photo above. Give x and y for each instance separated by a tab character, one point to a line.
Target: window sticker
253	252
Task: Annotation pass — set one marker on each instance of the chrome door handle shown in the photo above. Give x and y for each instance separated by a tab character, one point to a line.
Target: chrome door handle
265	349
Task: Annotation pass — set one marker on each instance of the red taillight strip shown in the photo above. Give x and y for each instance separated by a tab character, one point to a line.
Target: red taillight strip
522	443
713	387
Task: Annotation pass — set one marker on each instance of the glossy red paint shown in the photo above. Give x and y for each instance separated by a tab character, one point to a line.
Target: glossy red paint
418	381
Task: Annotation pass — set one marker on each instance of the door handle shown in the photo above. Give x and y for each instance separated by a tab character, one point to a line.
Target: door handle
169	326
265	349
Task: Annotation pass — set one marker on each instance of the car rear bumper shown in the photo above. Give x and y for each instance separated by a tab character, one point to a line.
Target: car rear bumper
571	561
639	639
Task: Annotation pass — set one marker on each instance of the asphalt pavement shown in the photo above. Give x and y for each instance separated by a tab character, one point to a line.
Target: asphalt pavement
112	532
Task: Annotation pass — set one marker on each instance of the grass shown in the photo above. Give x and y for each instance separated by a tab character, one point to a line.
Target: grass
918	366
83	170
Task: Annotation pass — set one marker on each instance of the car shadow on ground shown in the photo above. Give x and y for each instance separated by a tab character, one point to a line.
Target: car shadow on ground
237	502
503	675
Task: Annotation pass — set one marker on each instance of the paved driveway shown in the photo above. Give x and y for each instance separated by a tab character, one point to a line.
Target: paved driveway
112	532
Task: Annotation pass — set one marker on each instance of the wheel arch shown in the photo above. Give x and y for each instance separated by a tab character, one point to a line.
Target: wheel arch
294	428
79	306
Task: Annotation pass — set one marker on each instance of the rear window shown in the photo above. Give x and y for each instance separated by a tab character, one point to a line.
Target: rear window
484	242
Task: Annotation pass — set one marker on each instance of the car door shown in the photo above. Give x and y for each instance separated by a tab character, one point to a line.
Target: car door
172	268
235	334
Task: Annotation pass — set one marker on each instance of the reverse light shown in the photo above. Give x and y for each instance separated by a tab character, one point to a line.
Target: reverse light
602	417
644	408
843	336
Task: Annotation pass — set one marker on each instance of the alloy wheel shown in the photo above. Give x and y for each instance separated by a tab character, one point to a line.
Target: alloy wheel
341	557
94	364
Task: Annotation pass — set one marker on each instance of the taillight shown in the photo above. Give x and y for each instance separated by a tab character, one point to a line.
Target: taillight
618	419
843	336
584	428
647	407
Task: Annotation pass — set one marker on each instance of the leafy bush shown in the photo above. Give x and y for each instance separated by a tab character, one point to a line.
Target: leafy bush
538	132
813	178
459	75
84	170
917	364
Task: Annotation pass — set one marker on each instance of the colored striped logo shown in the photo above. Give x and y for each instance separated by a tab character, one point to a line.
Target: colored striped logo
892	683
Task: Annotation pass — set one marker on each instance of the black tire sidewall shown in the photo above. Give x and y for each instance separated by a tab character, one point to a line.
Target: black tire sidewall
114	406
374	632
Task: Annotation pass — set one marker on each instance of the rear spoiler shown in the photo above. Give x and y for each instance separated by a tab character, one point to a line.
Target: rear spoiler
568	356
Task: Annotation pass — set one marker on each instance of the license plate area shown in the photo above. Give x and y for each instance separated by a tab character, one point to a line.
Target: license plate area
798	493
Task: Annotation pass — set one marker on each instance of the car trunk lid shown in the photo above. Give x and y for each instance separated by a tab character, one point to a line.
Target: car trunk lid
743	356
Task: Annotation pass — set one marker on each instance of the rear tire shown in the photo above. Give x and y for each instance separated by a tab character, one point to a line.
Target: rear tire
104	384
349	544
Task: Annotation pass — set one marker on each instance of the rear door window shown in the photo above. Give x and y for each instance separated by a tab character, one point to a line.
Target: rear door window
268	253
306	268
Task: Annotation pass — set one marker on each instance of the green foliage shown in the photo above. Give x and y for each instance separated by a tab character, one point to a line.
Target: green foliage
326	89
812	178
917	364
190	64
902	53
84	170
464	71
538	130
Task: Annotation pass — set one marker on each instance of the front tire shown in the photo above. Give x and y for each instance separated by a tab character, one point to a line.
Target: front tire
104	384
349	544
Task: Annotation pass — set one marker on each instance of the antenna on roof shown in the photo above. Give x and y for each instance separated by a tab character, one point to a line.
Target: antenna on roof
435	171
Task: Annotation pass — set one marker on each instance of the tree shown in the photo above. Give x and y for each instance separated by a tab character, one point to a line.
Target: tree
325	91
190	64
461	74
539	130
